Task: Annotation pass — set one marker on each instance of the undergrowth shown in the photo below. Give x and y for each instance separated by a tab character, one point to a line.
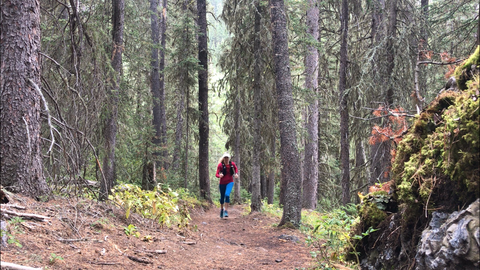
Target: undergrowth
328	233
166	206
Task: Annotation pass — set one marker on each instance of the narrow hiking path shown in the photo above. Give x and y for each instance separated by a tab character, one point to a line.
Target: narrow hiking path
240	242
83	234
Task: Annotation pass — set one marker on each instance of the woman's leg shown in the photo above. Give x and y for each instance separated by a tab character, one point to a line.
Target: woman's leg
222	197
228	189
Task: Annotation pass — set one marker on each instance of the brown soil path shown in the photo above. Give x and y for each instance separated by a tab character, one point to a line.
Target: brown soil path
242	242
98	240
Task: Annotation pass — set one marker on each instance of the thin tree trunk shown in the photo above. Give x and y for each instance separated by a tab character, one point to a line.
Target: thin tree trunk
21	167
344	139
390	53
238	154
178	132
271	177
203	125
187	141
360	160
271	186
263	185
256	204
289	152
110	133
310	180
163	118
157	80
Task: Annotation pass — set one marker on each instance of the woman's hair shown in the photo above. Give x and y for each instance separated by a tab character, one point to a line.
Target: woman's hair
223	156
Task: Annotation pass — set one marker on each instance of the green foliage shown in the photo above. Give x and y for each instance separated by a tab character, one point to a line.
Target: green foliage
54	258
131	230
329	233
10	238
15	224
353	241
164	205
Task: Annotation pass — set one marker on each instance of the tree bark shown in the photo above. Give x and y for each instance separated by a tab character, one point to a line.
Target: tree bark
390	53
271	179
157	86
256	204
380	152
344	139
203	125
178	133
288	138
20	144
110	133
310	180
238	154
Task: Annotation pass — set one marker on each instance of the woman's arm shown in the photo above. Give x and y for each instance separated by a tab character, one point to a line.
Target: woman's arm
219	168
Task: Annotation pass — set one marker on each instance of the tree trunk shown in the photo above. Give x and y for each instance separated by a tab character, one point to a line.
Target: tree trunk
344	139
271	179
288	138
478	29
238	154
360	159
178	133
310	180
380	153
263	185
187	141
390	53
271	176
157	86
271	187
256	204
377	21
203	125
110	132
20	148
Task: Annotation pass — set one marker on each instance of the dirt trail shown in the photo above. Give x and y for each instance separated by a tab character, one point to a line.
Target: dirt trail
98	240
242	242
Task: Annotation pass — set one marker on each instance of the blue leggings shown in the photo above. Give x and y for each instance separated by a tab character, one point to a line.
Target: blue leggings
225	190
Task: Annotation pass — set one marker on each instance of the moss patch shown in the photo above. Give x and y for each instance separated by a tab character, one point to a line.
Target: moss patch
463	73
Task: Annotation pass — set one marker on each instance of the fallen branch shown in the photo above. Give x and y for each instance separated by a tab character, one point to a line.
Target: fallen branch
72	240
7	265
103	263
140	260
25	215
16	206
158	251
189	243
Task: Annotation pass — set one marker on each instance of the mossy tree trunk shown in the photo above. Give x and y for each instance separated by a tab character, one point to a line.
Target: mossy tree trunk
288	139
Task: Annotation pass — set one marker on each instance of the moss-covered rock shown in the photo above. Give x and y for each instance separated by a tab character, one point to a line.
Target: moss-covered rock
468	69
437	167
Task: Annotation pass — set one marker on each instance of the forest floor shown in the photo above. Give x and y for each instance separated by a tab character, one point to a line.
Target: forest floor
82	234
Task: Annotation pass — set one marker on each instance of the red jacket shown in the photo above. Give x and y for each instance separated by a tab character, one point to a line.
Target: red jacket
228	177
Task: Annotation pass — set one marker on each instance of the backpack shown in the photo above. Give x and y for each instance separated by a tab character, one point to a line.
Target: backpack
224	171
